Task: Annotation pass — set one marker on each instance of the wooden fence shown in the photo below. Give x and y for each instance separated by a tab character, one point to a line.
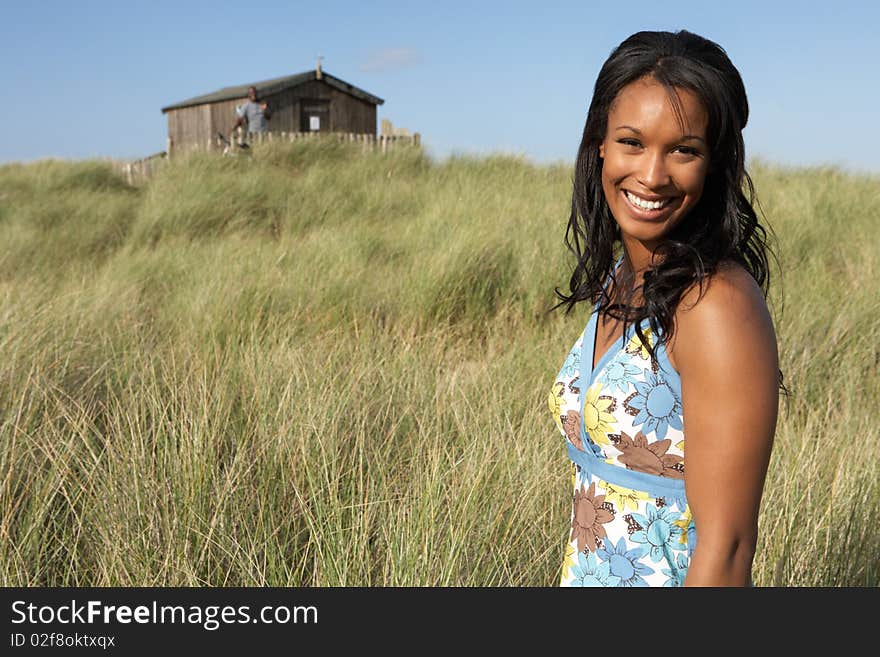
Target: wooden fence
382	143
140	171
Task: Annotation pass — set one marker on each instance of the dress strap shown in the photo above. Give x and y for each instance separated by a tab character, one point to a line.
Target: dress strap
589	336
588	346
608	280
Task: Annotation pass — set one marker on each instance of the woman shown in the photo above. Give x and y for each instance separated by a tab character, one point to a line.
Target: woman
668	400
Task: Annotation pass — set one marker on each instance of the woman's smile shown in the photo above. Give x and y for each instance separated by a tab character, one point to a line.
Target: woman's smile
650	208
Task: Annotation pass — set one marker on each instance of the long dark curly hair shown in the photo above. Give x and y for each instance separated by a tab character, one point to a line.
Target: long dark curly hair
722	226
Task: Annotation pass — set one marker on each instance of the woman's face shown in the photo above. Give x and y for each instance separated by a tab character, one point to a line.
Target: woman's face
653	168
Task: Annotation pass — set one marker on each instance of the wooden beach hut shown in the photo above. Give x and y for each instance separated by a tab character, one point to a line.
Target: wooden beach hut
314	101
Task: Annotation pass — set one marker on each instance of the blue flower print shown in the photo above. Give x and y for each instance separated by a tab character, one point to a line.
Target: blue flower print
688	541
572	363
678	501
676	577
691	539
658	534
625	563
655	405
588	572
619	375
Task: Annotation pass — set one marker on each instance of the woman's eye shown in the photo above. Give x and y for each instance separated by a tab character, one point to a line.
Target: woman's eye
687	150
629	142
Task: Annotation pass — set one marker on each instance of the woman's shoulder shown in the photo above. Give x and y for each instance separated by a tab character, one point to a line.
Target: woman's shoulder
727	290
726	312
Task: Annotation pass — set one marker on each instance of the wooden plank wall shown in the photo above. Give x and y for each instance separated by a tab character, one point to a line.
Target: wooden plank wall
190	125
313	89
350	114
223	115
285	111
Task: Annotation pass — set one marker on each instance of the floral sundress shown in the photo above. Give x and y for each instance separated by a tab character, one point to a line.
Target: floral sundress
624	431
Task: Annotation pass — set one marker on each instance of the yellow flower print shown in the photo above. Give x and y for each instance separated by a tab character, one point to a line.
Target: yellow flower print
555	402
680	445
569	562
635	347
598	421
684	522
623	497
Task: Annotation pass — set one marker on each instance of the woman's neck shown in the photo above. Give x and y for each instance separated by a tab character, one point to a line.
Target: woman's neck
637	258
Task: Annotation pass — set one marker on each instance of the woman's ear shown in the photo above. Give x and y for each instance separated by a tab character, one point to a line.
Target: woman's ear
601	150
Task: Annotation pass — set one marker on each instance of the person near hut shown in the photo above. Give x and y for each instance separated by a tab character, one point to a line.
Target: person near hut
254	112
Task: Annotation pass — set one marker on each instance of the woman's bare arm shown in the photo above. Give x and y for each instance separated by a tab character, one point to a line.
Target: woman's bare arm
724	348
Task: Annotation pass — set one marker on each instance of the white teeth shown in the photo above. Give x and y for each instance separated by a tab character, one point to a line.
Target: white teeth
646	205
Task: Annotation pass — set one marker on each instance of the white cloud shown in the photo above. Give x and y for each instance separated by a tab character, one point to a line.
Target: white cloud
390	58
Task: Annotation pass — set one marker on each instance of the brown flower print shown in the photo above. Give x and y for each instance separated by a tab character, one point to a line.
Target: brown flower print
571	425
652	458
590	513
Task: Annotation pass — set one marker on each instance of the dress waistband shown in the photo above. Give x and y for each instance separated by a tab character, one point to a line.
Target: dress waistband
653	485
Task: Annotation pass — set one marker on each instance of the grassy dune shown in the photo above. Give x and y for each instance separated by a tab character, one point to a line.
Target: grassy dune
318	367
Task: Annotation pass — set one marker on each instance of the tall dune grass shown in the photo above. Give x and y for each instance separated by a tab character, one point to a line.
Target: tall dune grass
319	367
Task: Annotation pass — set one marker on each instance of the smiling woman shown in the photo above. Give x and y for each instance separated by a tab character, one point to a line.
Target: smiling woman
679	326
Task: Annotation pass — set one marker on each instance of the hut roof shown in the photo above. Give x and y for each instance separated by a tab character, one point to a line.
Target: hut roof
267	87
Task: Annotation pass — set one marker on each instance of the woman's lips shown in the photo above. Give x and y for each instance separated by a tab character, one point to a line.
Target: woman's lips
642	213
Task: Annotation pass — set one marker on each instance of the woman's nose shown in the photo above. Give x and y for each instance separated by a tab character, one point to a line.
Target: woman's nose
653	173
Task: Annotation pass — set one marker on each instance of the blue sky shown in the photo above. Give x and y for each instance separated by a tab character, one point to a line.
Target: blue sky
88	78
